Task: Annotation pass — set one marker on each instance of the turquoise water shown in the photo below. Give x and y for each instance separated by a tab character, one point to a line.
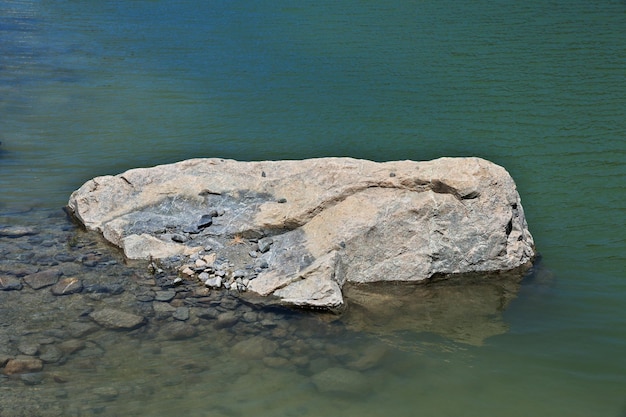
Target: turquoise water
91	88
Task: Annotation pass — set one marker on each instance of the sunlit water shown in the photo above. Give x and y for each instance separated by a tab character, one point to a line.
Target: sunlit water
92	88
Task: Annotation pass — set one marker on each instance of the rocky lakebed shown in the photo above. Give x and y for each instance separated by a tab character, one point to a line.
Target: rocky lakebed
87	331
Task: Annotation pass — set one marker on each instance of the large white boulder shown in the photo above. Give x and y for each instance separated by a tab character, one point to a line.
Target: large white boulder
332	220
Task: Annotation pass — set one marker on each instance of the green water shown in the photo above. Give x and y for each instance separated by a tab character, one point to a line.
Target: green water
92	88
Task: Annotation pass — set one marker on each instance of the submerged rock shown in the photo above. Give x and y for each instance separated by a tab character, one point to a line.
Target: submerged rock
51	354
33	378
178	331
67	286
17	231
341	381
181	313
329	220
8	283
256	347
43	279
116	319
107	393
22	365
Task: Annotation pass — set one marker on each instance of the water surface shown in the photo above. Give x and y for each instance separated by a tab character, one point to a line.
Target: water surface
93	88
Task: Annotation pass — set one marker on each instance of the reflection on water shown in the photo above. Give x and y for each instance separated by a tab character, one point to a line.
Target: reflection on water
463	309
208	353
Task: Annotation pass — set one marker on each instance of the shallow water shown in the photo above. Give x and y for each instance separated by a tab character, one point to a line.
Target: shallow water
93	88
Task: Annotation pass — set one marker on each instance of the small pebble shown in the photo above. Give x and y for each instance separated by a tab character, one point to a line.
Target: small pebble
181	314
10	284
192	230
213	282
29	349
210	258
205	221
34	378
145	298
179	238
264	244
164	295
64	258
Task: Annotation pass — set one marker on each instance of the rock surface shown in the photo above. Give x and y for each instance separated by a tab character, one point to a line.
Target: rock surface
23	364
115	319
67	286
330	220
8	283
43	279
17	231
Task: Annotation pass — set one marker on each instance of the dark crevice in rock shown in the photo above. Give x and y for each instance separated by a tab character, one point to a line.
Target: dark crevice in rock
206	192
439	187
471	195
126	180
509	227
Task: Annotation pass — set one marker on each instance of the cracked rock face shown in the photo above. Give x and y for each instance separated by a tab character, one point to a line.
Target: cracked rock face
330	220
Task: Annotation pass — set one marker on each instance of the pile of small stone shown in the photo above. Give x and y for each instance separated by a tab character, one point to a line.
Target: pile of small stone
216	271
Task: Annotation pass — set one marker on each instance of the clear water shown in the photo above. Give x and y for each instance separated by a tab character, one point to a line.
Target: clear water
91	88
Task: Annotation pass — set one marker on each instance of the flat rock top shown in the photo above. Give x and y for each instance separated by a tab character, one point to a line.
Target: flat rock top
331	220
311	184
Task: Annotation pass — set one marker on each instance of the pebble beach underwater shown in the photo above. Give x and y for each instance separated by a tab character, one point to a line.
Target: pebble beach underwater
91	88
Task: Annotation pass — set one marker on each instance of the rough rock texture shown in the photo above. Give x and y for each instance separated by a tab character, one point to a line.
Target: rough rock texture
331	220
43	279
8	283
22	364
67	286
115	319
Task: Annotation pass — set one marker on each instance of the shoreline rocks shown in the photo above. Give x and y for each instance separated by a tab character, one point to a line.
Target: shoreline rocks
208	349
297	231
